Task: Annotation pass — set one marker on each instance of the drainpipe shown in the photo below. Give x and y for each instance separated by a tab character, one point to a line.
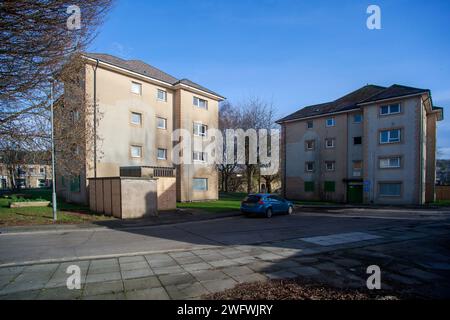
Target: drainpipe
95	119
95	133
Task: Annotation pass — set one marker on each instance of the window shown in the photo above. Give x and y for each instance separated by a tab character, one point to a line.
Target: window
329	143
75	184
42	170
310	125
199	156
200	184
390	136
136	151
390	189
357	118
136	118
200	129
357	140
201	103
162	154
390	162
309	145
162	95
309	186
136	88
329	165
161	123
329	186
390	109
330	122
357	168
309	166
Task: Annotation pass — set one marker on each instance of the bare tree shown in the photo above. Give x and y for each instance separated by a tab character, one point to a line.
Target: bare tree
40	43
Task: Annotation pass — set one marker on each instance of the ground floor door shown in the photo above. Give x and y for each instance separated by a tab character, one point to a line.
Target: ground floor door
354	193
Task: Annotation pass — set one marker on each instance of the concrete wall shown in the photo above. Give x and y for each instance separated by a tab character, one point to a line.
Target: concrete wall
123	198
166	193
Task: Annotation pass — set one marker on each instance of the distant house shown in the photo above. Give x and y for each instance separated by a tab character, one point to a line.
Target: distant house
443	172
374	145
25	170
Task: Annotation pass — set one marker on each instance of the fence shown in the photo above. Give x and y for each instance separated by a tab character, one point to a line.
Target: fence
442	193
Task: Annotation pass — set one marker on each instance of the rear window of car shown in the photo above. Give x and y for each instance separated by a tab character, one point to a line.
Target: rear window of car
252	199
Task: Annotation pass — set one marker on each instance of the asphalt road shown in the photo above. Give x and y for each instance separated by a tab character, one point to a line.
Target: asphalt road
44	246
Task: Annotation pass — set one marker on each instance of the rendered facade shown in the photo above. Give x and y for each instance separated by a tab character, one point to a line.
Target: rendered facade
138	108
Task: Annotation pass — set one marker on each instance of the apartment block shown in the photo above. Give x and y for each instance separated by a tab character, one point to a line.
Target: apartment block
376	145
137	109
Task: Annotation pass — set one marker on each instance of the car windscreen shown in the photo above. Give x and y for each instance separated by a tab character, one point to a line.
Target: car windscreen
252	199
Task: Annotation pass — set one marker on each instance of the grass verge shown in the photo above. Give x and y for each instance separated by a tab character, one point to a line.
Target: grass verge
67	213
227	202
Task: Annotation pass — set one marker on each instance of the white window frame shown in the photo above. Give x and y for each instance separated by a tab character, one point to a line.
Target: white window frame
140	118
389	136
157	123
333	122
136	147
200	133
307	164
205	184
389	195
332	144
199	156
333	167
164	94
196	102
354	117
357	171
165	154
312	142
389	106
387	162
136	85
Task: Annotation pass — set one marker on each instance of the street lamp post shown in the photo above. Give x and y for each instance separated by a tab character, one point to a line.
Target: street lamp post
53	157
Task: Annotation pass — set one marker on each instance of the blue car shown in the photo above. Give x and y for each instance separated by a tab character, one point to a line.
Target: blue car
266	204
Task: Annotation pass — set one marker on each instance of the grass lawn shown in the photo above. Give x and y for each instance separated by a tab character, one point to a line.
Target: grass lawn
67	213
227	202
442	203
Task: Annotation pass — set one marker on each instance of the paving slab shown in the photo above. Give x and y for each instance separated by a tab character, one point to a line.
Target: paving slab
168	270
196	266
106	287
208	275
219	285
185	291
141	283
281	275
175	279
134	265
158	293
59	293
136	273
132	259
108	296
101	277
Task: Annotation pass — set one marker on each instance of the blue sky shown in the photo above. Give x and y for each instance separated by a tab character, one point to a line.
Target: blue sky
291	53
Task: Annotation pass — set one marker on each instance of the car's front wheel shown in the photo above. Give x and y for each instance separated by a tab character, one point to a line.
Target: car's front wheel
269	213
290	210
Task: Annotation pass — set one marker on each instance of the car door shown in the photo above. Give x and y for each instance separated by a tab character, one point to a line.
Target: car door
276	204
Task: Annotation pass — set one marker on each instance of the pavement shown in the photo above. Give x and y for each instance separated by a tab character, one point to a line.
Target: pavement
190	260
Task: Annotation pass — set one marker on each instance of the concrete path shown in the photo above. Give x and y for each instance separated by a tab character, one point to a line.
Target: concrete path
189	260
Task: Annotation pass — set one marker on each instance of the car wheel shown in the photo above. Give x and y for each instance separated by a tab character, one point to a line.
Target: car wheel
269	213
290	210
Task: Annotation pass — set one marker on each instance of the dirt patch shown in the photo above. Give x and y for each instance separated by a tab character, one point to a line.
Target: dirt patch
295	289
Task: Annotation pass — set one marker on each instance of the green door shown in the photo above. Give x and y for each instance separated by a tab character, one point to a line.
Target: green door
354	193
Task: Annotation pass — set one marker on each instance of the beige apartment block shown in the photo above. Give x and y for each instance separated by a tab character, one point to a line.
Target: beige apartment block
375	145
138	108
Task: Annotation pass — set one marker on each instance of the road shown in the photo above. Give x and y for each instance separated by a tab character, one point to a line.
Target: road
191	260
17	248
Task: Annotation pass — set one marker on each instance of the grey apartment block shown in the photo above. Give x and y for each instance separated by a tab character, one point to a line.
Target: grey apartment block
375	145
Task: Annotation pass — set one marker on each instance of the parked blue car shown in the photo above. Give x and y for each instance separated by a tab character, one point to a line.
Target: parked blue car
266	204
